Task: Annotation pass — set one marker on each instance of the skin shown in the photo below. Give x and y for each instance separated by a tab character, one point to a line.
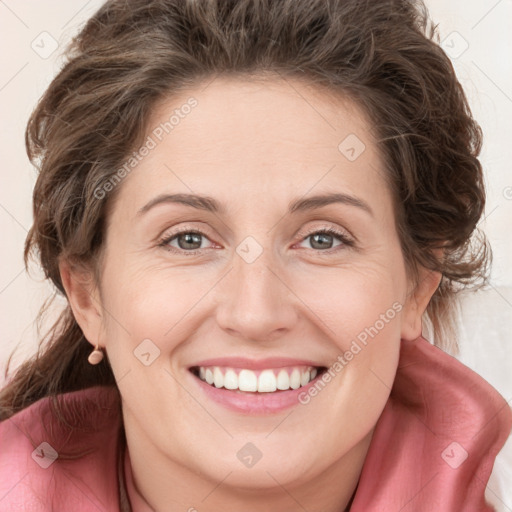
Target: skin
254	147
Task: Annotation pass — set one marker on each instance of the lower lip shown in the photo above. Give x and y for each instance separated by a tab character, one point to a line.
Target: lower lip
253	402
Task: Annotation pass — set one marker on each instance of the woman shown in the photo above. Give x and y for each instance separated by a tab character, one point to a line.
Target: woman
252	208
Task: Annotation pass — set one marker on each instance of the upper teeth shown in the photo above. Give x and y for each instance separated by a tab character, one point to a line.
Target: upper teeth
263	382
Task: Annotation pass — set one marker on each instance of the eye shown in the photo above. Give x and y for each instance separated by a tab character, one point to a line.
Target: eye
323	240
189	242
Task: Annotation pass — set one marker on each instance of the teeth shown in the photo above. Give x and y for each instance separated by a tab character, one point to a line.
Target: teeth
247	381
283	380
218	378
231	380
295	379
265	381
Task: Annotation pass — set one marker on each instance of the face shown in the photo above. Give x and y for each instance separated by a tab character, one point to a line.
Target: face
267	290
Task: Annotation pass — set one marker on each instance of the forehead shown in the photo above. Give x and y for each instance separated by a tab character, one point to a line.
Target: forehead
255	136
250	113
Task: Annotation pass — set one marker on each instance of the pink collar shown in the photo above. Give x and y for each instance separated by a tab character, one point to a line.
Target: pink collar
436	440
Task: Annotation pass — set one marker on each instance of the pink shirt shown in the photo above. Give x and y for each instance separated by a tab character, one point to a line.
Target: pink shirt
432	450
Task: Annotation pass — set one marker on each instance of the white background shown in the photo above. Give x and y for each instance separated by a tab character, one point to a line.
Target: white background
477	36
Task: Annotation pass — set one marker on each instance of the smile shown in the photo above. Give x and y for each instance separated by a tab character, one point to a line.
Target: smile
257	381
255	386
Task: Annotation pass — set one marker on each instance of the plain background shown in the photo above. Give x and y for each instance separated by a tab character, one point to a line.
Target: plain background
476	34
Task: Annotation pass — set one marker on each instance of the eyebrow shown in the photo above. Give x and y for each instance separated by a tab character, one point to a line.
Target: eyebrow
299	205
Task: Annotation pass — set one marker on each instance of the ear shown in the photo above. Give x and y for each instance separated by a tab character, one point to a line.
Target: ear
417	301
83	298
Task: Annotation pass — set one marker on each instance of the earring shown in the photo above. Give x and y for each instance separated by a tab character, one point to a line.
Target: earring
95	356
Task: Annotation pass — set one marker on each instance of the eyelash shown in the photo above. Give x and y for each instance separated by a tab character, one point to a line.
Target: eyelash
347	242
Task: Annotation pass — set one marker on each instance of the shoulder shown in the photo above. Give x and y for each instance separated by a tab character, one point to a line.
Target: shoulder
58	450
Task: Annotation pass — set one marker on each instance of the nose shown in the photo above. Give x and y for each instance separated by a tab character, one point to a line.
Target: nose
256	302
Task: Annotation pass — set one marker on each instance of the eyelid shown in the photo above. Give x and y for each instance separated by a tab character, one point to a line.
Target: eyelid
303	233
186	228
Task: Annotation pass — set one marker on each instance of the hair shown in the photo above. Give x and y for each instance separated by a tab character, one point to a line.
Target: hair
131	54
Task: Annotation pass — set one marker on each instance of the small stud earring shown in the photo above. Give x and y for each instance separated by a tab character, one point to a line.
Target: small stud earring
95	356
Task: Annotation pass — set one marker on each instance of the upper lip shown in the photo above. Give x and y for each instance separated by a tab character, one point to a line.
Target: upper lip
256	364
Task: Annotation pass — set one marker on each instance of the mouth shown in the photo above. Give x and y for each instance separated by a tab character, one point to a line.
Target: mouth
270	380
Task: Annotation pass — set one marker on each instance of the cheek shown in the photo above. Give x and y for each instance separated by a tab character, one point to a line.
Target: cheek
359	309
348	301
151	302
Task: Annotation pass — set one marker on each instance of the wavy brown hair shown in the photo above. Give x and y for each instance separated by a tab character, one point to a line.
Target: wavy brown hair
383	54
